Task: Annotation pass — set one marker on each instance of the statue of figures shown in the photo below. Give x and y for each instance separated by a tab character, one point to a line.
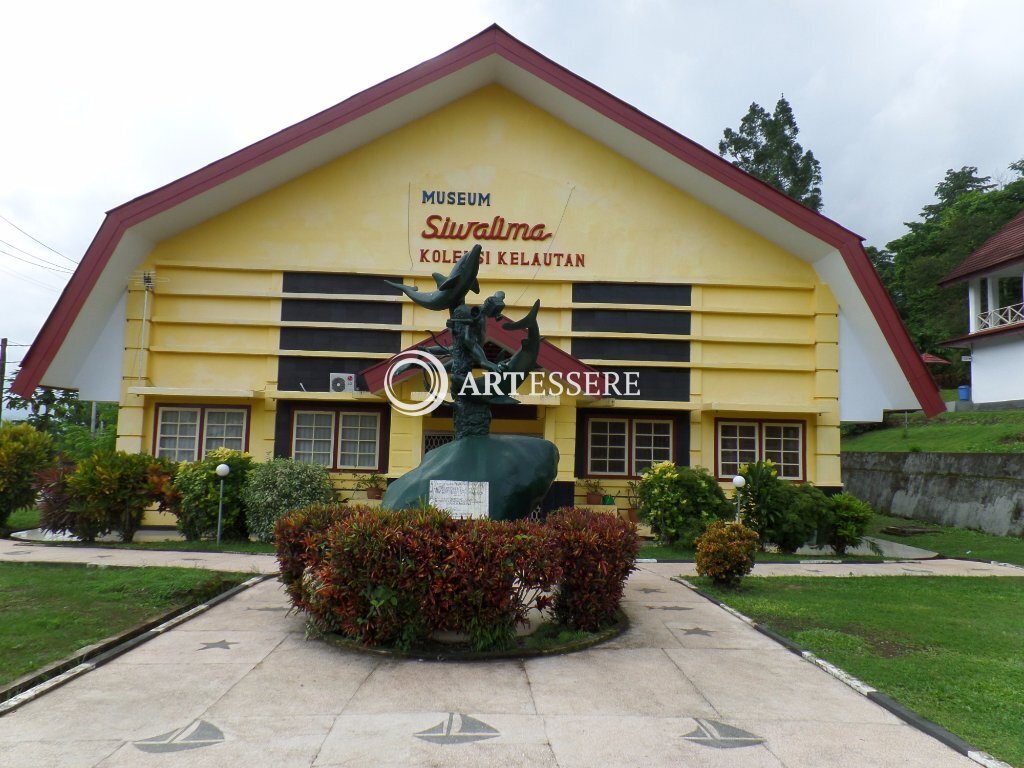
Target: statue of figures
517	469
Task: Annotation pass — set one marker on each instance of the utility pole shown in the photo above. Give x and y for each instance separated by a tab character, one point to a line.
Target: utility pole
3	375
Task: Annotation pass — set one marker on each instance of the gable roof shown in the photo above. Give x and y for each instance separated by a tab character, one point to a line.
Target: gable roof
1004	247
83	313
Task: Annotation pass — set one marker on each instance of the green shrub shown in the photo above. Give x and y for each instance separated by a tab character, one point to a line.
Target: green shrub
110	491
24	451
758	498
801	510
199	488
783	513
725	553
679	502
848	519
276	487
598	553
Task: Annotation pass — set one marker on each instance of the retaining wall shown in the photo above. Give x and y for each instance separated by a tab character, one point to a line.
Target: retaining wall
984	491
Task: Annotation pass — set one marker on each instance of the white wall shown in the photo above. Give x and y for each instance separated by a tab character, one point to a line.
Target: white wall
997	369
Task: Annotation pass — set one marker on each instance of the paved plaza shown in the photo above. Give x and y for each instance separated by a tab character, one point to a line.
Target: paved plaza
239	685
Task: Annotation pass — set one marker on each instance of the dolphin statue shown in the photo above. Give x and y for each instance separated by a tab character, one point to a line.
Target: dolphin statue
523	361
451	291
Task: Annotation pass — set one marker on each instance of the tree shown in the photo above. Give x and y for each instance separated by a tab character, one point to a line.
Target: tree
23	452
69	420
766	147
968	210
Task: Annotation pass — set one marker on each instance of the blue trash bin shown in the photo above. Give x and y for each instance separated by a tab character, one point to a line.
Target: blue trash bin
964	392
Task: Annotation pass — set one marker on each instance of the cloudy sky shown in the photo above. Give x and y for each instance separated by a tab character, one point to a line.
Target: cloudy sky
104	101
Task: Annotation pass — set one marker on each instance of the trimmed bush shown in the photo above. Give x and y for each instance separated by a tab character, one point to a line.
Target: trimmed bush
848	519
109	491
24	451
679	502
598	553
783	513
388	577
801	509
279	486
759	504
199	488
300	539
725	553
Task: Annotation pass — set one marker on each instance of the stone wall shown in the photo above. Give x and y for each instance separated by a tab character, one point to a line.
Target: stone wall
984	491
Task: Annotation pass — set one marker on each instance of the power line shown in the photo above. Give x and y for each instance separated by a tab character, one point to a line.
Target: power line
47	247
34	256
62	270
28	279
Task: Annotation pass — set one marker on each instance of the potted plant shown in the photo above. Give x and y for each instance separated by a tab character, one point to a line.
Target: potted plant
633	500
373	484
593	489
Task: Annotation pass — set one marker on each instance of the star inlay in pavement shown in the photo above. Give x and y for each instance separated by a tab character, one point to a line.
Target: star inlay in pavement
648	590
225	644
698	631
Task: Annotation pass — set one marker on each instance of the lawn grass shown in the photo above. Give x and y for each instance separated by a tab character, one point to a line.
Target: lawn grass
22	519
951	432
947	647
953	542
49	610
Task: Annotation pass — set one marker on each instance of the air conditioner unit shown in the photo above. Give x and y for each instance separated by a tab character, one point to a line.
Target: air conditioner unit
343	382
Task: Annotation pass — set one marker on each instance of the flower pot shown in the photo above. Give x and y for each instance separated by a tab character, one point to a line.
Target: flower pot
594	498
374	493
633	517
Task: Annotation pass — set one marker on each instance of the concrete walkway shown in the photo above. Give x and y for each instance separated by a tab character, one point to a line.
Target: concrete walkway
688	685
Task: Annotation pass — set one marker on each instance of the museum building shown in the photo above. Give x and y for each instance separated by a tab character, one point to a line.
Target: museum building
247	305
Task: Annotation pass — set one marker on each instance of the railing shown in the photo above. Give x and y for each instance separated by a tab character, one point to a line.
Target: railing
997	318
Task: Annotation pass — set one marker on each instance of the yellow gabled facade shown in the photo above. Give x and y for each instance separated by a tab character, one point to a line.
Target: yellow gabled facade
238	320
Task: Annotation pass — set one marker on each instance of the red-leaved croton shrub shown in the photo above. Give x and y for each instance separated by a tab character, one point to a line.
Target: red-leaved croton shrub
387	577
299	538
598	553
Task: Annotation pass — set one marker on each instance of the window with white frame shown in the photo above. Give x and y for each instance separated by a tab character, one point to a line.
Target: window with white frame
743	442
783	444
337	439
182	431
360	433
607	447
177	434
223	428
652	444
627	446
313	438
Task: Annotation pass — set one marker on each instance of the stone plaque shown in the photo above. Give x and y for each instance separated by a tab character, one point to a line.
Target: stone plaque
460	498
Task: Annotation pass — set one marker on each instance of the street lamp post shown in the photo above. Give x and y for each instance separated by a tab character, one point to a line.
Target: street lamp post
738	482
223	470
